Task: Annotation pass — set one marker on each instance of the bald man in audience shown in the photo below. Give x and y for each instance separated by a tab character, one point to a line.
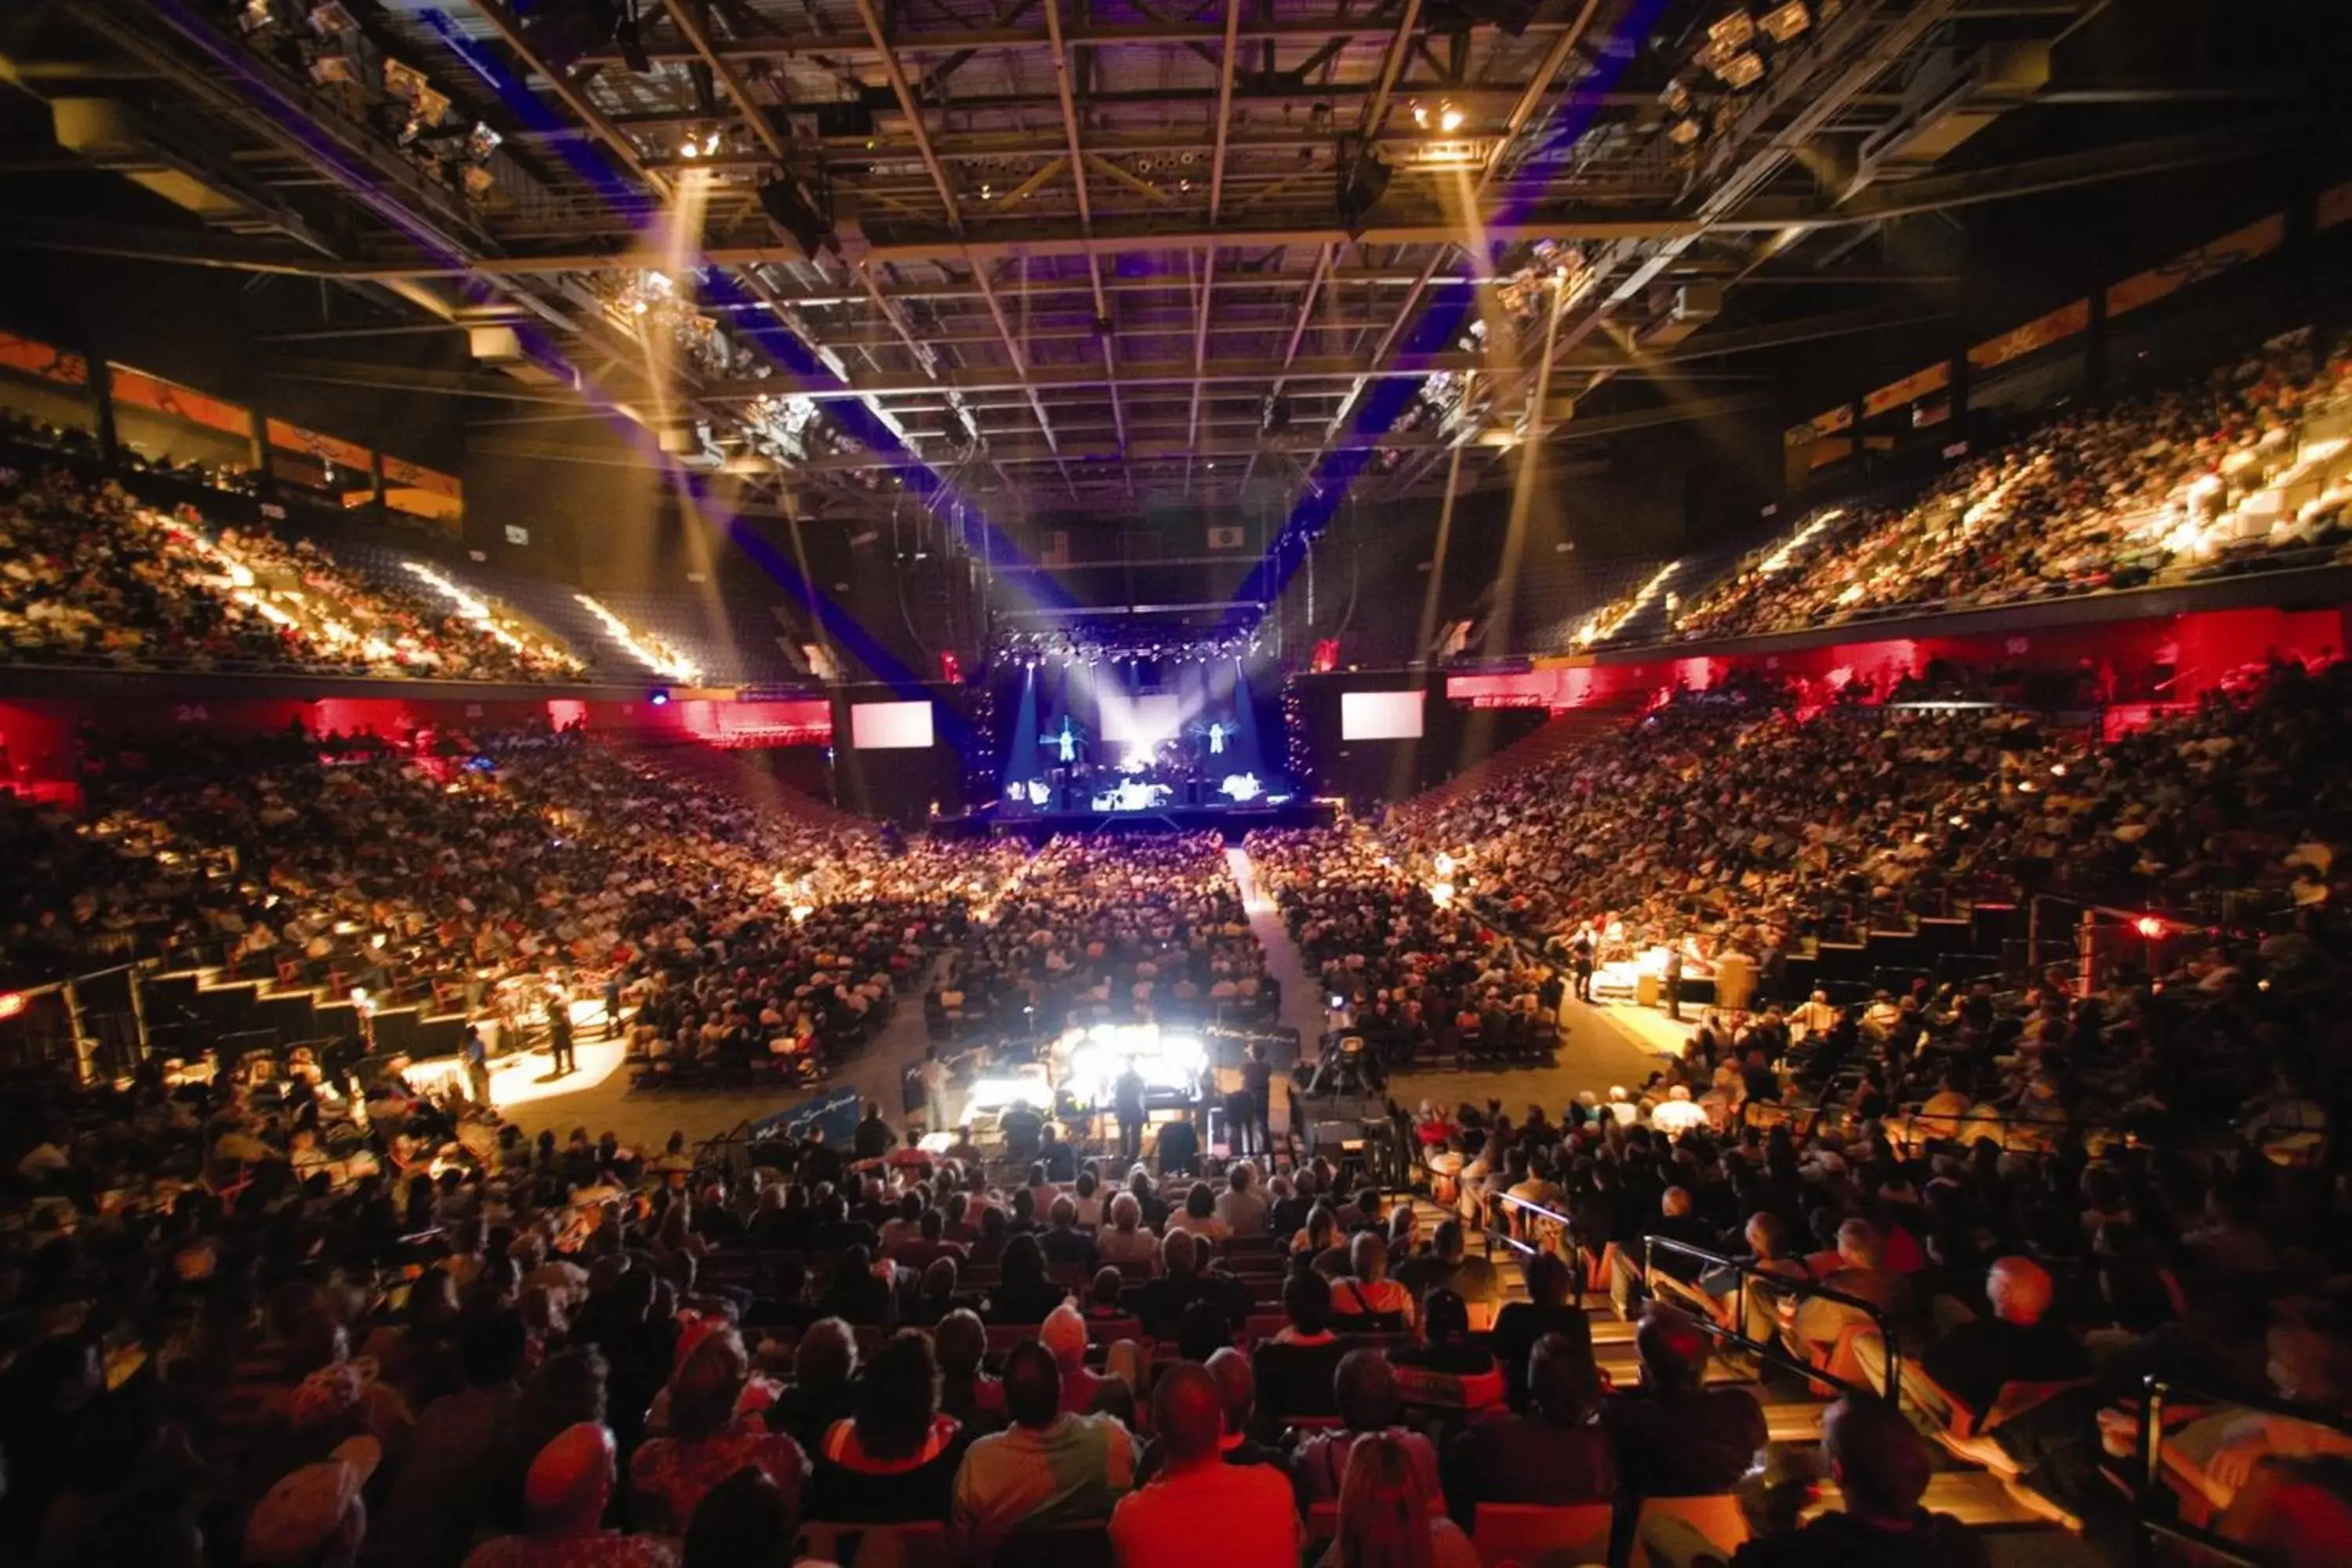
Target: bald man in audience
1237	1386
564	1494
1201	1509
2018	1343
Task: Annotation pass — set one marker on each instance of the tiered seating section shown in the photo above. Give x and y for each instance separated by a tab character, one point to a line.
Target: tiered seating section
2248	467
143	570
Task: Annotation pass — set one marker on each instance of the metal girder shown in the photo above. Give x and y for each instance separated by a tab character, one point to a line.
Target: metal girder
987	40
897	76
1208	280
1135	373
1067	90
1849	74
1554	59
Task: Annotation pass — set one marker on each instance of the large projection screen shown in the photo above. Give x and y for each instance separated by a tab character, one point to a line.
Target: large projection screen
1140	720
1379	715
890	726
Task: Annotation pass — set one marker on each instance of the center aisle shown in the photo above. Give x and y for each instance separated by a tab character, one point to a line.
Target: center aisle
1302	995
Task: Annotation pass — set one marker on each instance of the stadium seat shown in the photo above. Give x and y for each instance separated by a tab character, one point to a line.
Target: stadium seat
1538	1536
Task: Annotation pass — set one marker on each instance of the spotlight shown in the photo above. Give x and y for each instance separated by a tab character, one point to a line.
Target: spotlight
482	143
658	697
1731	30
2148	926
711	145
689	148
1742	70
1785	21
1449	118
1421	114
1682	132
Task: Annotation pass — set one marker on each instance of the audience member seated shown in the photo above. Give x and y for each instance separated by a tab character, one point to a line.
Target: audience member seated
1385	1515
1445	1369
709	1439
1557	1455
1366	1392
1547	1309
1162	1303
1447	1265
1672	1435
895	1460
1202	1504
1295	1370
1880	1465
565	1494
1365	1300
1047	1469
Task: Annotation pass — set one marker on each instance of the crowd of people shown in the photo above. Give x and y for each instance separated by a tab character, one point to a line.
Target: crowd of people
496	874
93	573
2096	497
1114	929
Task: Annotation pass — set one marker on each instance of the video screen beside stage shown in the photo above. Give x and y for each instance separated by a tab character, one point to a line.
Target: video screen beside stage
890	726
1381	715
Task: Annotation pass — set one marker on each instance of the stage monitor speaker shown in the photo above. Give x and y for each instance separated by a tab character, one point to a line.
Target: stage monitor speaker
792	216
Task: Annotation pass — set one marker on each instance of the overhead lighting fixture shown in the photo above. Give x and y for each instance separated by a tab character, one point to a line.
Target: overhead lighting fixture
1785	21
1743	70
1449	118
1676	98
1682	132
1731	30
482	143
329	19
689	147
711	145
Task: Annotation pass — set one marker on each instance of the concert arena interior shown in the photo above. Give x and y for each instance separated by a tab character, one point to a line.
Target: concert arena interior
1124	784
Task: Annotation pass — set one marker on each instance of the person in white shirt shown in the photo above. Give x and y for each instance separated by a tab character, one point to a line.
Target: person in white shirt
1679	1114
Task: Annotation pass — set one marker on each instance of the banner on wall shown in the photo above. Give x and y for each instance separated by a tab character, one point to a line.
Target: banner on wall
2039	334
152	393
35	359
1820	424
2258	238
1919	383
420	492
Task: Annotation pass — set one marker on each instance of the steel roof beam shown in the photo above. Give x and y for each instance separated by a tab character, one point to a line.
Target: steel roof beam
897	76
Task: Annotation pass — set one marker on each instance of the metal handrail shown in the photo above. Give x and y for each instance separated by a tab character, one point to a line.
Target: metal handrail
2148	1476
1566	1228
1799	1288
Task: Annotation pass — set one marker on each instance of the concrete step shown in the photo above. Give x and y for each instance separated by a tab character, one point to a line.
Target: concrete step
1975	1498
